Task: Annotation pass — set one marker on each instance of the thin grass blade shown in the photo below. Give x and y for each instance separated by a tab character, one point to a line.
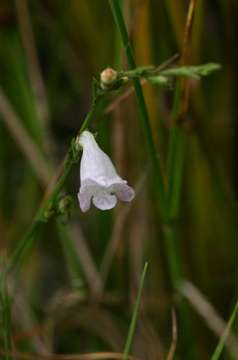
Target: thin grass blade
220	346
135	315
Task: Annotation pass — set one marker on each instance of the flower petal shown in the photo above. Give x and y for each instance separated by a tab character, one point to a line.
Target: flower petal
84	200
124	192
95	163
98	177
104	201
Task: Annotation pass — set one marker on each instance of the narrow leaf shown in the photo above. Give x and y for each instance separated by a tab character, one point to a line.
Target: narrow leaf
217	353
158	80
135	315
192	71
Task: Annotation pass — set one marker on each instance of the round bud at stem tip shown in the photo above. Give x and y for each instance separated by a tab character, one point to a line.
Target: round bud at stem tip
108	77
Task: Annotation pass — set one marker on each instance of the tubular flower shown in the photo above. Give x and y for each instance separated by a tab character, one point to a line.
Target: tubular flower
99	179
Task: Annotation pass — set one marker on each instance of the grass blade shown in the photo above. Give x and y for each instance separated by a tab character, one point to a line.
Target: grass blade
220	346
135	315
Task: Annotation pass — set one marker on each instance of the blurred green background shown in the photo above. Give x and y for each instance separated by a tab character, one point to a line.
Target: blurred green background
79	300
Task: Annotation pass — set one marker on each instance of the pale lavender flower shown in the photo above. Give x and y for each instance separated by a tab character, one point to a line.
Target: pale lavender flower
99	179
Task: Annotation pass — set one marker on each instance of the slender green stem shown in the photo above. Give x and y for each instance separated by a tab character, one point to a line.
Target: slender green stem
135	315
27	241
117	13
90	114
24	245
175	170
172	255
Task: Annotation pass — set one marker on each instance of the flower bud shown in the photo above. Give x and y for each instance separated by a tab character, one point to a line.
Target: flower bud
75	150
108	77
77	145
64	205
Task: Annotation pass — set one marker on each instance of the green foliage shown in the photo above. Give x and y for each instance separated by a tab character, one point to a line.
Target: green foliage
71	276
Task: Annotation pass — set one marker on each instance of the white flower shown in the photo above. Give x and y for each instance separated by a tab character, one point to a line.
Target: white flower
99	179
